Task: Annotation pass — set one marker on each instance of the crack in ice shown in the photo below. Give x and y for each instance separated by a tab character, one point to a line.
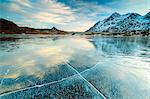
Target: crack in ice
63	79
37	86
4	78
85	79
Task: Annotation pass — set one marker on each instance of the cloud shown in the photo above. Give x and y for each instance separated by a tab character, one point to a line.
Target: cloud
14	7
25	3
51	17
47	17
56	7
52	12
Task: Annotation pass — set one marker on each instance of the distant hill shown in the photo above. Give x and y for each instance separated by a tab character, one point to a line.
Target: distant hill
130	22
9	27
51	31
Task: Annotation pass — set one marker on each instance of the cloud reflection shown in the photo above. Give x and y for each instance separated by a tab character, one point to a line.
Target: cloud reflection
33	59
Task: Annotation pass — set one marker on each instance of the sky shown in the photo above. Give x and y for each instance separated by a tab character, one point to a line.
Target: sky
69	15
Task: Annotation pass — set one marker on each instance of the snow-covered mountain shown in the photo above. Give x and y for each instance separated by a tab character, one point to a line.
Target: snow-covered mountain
130	22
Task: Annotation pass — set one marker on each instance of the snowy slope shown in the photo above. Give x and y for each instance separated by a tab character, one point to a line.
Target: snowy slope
123	23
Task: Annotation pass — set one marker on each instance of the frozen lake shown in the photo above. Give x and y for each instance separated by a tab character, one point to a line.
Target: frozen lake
74	67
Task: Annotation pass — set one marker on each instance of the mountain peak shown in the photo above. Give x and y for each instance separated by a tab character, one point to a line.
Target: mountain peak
115	14
133	15
54	28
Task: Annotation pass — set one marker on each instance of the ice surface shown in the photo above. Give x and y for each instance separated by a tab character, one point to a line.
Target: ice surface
74	67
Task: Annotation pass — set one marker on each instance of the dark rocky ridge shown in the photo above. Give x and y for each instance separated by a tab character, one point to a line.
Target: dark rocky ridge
9	27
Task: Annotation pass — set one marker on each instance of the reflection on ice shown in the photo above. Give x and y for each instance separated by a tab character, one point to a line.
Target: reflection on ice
29	59
121	45
111	67
36	64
